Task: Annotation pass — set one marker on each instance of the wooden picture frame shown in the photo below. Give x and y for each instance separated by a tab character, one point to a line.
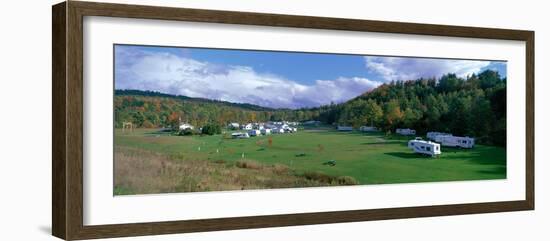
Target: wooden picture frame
67	124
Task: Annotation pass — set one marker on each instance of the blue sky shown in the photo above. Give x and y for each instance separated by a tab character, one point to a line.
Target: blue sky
273	79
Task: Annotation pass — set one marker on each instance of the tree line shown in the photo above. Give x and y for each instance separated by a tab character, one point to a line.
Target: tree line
471	106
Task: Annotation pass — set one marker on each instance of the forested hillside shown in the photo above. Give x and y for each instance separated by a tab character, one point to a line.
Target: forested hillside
473	106
153	109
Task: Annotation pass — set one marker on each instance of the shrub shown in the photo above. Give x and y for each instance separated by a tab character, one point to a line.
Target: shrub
319	176
248	164
211	129
187	132
325	178
147	124
346	180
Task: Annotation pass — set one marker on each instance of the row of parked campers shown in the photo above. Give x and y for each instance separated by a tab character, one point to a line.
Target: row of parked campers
432	147
250	133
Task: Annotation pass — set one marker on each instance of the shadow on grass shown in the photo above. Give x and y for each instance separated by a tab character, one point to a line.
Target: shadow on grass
399	138
383	143
481	156
352	133
495	171
406	155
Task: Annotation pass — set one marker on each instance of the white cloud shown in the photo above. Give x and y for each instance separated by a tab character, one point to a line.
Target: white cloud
169	73
398	68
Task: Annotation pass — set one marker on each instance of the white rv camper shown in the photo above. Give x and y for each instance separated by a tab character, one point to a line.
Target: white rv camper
433	134
254	132
456	141
185	126
345	128
425	147
367	128
240	135
406	132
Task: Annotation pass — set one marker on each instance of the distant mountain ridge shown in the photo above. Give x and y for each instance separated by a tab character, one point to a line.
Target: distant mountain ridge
129	92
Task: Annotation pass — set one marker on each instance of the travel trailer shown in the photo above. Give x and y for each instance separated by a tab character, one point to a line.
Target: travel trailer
240	135
406	132
345	128
433	134
367	128
425	147
456	141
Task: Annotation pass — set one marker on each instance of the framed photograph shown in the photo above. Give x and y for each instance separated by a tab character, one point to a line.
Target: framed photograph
172	120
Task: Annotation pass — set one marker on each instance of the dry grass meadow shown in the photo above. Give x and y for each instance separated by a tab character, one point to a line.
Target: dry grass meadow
145	172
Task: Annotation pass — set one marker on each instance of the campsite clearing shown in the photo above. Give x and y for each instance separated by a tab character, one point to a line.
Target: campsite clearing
368	158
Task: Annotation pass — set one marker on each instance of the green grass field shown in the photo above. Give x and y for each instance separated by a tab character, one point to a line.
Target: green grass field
367	158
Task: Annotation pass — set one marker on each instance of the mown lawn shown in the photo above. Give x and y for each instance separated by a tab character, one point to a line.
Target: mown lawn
368	158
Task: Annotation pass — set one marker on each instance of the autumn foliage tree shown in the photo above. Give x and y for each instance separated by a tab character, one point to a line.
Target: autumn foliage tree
392	114
173	120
